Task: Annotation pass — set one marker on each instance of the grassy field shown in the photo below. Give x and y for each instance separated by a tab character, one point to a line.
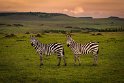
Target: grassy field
19	63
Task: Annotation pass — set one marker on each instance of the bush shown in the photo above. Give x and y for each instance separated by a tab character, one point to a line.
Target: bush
55	31
8	25
75	31
38	35
99	34
93	34
10	35
18	25
68	27
27	33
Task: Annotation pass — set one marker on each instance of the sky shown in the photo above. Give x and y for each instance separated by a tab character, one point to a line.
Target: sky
77	8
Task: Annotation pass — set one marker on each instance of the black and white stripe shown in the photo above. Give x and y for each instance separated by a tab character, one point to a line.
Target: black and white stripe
78	49
48	49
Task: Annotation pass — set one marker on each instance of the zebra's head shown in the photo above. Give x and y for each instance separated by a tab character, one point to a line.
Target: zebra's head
69	40
33	41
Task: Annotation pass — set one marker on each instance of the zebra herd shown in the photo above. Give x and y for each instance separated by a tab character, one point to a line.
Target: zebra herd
57	48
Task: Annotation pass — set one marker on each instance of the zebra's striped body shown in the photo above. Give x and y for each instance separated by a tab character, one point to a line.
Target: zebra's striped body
48	49
78	49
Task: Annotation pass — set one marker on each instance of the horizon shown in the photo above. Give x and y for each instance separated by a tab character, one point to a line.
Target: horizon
75	8
59	13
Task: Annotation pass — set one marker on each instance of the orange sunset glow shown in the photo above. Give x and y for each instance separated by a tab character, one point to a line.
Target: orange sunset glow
78	8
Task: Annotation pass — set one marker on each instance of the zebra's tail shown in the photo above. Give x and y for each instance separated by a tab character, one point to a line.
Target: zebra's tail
63	52
98	51
64	57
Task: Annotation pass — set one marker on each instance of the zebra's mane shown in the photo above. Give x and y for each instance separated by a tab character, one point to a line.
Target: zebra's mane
40	43
72	40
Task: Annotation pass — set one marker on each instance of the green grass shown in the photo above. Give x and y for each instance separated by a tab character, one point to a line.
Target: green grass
19	63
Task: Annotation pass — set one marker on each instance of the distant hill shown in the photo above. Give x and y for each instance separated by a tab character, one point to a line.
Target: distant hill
44	16
113	17
90	18
32	13
34	16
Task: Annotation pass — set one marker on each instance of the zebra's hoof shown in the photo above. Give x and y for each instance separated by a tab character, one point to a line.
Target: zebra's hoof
65	65
74	64
94	64
58	65
41	65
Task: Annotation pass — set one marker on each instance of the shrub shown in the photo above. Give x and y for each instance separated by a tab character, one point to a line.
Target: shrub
93	34
41	24
75	31
99	34
27	33
2	24
68	27
10	35
18	25
55	31
8	25
38	35
63	32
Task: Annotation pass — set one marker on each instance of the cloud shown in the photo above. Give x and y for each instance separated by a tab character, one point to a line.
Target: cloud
75	11
65	10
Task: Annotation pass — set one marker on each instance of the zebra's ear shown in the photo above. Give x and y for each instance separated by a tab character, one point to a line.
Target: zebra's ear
31	36
68	34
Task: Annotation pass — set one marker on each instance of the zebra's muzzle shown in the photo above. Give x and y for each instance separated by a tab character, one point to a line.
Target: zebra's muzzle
32	44
68	45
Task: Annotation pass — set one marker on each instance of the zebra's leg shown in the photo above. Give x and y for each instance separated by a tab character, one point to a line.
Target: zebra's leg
64	60
78	57
59	60
41	60
63	56
95	59
75	57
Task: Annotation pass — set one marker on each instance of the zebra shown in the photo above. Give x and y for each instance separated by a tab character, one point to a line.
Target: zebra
78	49
48	49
